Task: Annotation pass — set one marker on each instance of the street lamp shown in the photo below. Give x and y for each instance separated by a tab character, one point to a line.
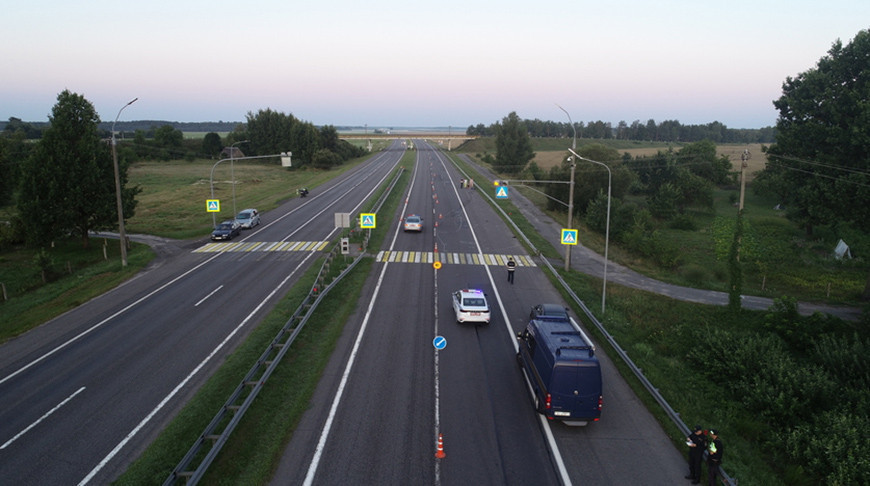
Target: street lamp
233	173
570	191
121	233
607	224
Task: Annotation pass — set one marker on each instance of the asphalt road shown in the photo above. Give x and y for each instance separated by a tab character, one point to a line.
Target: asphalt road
388	394
83	395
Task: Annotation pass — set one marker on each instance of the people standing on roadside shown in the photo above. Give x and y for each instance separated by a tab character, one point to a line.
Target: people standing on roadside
511	266
697	443
715	449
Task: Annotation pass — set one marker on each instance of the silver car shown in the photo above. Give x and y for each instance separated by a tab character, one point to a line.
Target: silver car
248	218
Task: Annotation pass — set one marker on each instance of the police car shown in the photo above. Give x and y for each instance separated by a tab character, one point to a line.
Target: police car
470	306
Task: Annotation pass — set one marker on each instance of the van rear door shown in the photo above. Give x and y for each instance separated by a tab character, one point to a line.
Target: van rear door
575	389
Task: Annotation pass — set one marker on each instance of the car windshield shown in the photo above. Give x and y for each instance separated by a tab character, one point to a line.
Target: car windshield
225	226
473	302
413	219
244	216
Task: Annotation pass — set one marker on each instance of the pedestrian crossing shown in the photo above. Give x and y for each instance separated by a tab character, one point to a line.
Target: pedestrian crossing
449	258
384	256
246	246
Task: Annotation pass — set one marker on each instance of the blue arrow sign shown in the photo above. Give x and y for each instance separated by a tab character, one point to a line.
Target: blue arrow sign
440	342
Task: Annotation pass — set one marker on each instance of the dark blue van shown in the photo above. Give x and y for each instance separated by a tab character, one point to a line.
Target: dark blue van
560	363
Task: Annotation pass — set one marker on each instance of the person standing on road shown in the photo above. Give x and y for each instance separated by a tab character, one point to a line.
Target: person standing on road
511	266
697	443
715	449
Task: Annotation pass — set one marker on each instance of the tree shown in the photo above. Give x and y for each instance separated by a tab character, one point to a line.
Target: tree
212	144
68	185
819	163
512	145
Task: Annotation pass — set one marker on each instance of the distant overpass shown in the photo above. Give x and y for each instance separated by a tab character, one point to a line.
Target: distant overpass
399	135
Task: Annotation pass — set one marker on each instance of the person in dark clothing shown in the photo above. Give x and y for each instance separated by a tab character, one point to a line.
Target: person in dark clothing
511	266
697	443
715	449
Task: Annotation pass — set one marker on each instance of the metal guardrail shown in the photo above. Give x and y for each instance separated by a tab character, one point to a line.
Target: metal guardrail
218	431
673	414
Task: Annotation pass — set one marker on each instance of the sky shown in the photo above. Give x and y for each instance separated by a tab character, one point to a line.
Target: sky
386	63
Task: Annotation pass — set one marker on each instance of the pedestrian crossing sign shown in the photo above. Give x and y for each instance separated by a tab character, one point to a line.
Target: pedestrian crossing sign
501	192
213	205
367	220
569	237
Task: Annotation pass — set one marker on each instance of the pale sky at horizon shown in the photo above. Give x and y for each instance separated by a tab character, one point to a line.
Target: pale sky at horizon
386	63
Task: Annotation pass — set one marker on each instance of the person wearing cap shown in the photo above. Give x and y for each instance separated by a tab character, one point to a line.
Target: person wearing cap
697	443
715	449
511	266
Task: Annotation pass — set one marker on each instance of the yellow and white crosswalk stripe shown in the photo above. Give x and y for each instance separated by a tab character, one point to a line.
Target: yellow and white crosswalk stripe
246	246
452	258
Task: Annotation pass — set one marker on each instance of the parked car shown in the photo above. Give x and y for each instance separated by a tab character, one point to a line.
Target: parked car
549	312
226	230
413	223
470	305
248	218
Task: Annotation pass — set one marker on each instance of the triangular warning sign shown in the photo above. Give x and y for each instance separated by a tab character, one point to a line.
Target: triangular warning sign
569	237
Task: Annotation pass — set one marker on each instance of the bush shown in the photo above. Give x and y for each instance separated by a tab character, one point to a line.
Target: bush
833	447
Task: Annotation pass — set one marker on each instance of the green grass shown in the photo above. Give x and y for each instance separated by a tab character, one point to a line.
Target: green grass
172	201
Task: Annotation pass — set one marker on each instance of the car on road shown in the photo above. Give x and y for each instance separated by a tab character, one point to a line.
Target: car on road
413	223
549	312
226	230
248	218
470	305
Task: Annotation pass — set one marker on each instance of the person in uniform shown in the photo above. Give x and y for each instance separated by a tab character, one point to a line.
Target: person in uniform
697	443
715	449
511	266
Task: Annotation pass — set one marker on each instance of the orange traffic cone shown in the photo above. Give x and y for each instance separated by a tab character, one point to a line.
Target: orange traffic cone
440	454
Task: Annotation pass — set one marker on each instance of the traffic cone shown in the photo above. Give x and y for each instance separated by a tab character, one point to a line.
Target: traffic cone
440	454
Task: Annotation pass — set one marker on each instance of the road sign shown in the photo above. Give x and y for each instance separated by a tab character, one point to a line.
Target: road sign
569	236
367	220
501	192
213	205
440	342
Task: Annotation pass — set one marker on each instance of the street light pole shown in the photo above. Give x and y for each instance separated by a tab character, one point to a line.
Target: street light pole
570	190
122	235
607	224
233	172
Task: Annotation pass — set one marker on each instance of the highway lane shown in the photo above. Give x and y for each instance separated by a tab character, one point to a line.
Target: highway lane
83	395
399	393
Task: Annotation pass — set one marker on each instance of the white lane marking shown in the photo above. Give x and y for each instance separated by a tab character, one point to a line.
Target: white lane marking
40	419
207	296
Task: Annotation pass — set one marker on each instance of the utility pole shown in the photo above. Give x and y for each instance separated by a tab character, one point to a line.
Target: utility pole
744	162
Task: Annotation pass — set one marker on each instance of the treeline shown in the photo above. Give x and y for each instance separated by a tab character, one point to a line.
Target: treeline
33	130
665	131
